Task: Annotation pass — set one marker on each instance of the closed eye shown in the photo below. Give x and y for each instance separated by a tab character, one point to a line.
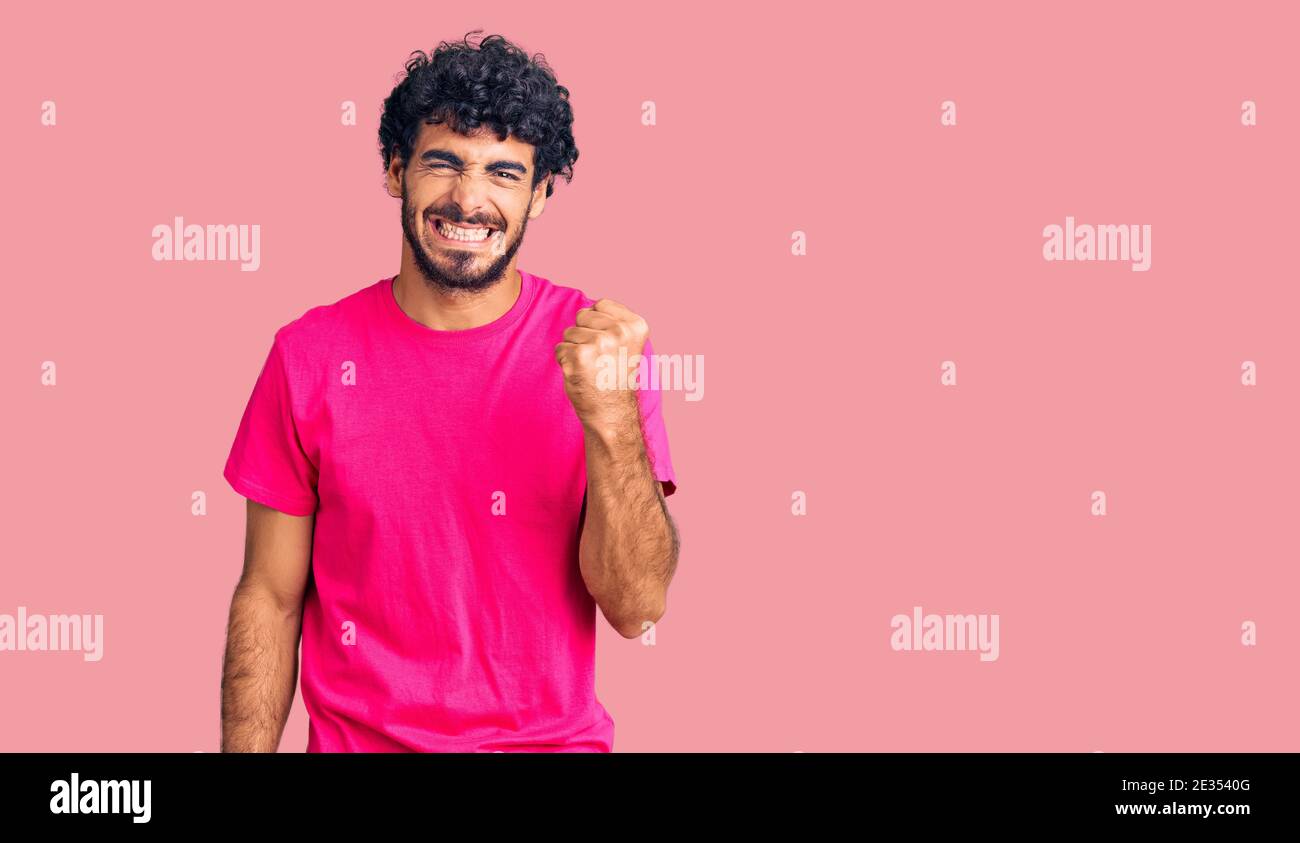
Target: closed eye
443	165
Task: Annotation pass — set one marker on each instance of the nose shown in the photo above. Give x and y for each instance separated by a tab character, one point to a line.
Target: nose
468	193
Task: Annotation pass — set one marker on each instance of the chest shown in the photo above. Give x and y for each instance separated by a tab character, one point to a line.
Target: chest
482	434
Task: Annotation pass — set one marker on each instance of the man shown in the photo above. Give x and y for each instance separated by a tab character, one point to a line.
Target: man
440	487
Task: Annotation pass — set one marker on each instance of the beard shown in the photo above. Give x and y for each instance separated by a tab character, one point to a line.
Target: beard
454	269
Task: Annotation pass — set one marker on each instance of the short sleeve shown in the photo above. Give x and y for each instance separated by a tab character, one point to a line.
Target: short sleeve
650	398
267	463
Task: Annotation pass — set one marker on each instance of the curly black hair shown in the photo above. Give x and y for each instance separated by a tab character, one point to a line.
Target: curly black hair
494	84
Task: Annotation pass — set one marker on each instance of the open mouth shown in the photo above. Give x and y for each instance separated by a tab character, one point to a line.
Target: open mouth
462	235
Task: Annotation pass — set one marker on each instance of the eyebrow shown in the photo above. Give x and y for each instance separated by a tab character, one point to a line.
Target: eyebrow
455	160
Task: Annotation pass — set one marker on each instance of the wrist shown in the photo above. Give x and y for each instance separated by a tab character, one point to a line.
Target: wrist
614	427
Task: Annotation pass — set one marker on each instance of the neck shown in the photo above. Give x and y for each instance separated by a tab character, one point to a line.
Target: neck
456	310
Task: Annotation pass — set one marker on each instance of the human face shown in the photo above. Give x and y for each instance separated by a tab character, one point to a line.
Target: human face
478	184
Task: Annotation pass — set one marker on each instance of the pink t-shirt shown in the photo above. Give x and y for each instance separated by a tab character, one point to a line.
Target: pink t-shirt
446	610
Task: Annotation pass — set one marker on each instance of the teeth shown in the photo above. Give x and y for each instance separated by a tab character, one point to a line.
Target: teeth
455	232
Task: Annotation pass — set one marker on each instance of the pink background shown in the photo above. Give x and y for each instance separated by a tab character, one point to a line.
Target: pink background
1119	633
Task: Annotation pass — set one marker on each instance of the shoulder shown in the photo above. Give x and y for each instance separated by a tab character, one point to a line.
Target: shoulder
326	325
551	296
324	333
564	302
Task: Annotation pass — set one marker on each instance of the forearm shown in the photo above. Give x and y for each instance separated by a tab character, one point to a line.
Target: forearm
629	544
260	671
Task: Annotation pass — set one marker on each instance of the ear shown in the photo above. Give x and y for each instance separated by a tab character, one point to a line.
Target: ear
539	197
394	177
